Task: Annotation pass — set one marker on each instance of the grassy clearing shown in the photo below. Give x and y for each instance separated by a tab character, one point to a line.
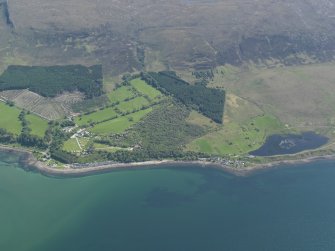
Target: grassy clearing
235	138
71	145
96	117
120	94
107	148
133	105
83	142
37	125
120	124
240	110
197	118
142	87
9	118
109	83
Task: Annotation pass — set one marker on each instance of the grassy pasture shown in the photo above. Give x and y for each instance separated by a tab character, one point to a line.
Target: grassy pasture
120	124
107	148
95	117
37	125
9	118
120	94
245	128
71	145
197	118
142	87
134	104
83	142
301	96
235	138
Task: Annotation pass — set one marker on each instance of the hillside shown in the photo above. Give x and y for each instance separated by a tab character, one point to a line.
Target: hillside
157	35
179	79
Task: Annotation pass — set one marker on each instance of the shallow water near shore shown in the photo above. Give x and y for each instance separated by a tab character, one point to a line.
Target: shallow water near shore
168	209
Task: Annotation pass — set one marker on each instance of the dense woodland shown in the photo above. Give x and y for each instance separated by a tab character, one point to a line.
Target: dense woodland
208	101
53	80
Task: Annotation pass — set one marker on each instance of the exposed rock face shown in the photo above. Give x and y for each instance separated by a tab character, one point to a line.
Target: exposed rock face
130	34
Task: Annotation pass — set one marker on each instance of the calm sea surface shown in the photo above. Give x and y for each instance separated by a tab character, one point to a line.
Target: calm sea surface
168	209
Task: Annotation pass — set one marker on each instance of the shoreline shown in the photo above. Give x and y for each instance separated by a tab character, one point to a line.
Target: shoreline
32	164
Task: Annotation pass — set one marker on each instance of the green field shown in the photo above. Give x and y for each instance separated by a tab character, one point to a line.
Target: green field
96	117
142	87
9	118
71	145
197	118
107	148
133	105
121	93
84	142
37	125
130	99
120	124
235	138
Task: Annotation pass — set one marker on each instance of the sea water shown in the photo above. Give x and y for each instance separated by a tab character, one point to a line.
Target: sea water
180	208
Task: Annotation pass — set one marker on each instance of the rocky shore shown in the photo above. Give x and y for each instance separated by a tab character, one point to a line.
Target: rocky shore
31	163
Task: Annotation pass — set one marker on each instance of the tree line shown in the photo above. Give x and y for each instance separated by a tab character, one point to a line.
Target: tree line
50	81
208	101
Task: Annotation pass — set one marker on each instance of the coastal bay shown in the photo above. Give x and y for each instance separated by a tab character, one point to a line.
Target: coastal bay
168	208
